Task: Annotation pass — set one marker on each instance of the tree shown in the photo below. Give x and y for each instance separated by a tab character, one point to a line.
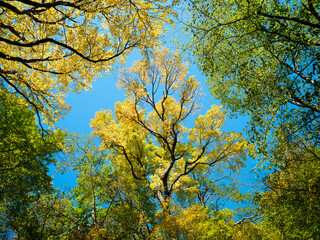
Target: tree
104	205
148	141
51	47
261	58
25	154
44	218
291	200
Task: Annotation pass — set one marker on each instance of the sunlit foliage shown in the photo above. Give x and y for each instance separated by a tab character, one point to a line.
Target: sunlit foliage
49	48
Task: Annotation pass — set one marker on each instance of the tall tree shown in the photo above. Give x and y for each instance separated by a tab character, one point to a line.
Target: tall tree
262	58
148	140
51	47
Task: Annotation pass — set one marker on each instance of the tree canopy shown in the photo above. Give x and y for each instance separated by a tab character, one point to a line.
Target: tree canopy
150	143
25	155
159	166
262	58
290	201
49	48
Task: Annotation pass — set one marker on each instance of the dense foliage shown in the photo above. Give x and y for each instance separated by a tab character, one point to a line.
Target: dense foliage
25	154
149	142
261	58
156	167
51	47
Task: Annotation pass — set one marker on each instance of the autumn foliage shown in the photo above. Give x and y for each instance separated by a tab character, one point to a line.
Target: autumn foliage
159	165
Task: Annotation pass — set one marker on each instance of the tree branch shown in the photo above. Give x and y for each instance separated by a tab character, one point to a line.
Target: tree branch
294	19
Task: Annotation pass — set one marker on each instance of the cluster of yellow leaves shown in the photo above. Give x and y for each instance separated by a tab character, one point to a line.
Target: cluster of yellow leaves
195	222
147	134
47	51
